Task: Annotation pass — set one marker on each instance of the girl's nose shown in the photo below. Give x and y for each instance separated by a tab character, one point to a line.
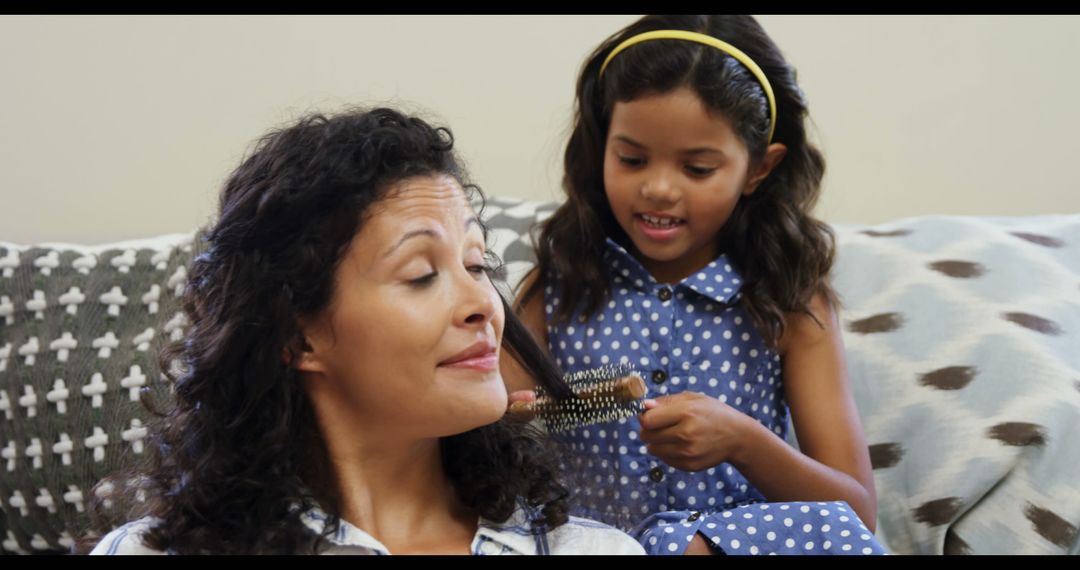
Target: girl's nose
659	187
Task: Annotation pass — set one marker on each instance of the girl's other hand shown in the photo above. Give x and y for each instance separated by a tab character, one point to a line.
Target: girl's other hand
692	431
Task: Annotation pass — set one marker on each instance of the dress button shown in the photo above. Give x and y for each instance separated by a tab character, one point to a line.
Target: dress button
693	516
659	376
656	474
664	294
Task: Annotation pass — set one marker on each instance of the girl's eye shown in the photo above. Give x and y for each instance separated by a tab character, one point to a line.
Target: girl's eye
631	160
700	171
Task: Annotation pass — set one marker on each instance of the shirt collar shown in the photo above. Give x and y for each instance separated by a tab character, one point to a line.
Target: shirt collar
516	535
718	280
345	535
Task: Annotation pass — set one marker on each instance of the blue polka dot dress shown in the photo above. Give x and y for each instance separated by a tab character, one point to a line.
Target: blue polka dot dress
689	336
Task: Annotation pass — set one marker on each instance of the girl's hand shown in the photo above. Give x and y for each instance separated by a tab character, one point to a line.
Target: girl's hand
692	431
517	404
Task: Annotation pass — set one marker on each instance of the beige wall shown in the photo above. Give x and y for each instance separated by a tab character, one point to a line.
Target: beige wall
116	127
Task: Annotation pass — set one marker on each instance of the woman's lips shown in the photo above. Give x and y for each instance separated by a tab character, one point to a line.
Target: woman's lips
482	355
485	363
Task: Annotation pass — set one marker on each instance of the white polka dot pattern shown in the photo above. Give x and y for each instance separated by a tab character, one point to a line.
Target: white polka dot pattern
704	342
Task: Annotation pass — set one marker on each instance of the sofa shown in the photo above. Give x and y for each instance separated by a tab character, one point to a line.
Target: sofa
962	338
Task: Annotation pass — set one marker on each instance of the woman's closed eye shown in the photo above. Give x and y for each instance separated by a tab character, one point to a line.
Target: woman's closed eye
423	280
477	269
481	269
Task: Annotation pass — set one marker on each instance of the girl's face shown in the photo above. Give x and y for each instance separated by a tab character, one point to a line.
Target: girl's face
673	173
409	346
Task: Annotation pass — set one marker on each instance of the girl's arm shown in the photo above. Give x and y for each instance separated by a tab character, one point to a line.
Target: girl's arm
834	463
532	316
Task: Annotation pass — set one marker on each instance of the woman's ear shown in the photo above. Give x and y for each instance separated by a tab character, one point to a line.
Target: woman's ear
759	172
302	355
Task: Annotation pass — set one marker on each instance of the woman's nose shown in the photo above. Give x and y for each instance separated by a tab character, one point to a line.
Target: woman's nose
477	303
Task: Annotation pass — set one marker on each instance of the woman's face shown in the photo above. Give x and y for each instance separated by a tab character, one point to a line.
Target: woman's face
410	341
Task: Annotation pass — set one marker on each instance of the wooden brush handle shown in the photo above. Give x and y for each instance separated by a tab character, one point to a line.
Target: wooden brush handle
623	389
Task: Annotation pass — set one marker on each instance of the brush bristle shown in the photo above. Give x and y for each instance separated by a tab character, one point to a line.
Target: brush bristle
602	395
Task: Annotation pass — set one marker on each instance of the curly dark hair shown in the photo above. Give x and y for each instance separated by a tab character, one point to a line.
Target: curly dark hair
783	253
237	449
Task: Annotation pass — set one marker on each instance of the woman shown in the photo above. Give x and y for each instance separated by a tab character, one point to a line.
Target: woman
339	388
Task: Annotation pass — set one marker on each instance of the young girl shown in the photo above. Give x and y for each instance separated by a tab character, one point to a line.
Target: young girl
686	249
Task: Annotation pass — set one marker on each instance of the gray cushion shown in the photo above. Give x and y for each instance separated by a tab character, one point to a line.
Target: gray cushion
79	331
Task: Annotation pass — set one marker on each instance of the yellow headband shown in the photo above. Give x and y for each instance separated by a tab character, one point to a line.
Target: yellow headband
709	41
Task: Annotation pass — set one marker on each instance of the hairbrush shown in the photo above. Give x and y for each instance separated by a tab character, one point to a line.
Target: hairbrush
600	395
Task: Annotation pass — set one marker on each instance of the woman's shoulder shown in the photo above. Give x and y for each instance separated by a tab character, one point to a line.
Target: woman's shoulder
127	539
585	536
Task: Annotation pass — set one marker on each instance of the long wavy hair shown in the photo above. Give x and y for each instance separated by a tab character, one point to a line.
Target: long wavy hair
783	253
236	454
